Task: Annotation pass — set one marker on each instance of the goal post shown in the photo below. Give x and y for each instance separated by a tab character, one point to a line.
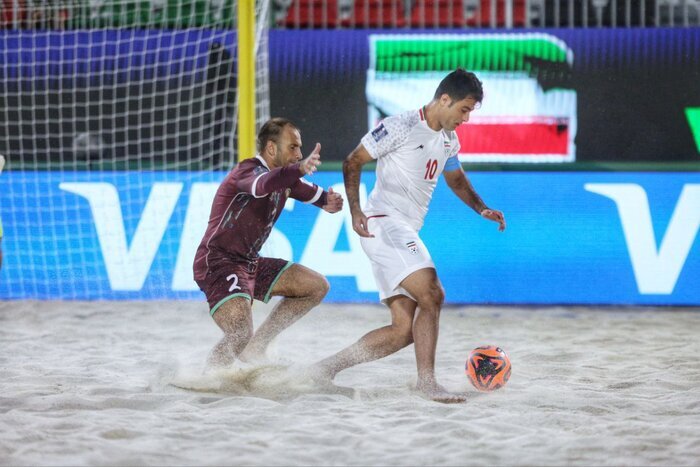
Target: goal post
246	78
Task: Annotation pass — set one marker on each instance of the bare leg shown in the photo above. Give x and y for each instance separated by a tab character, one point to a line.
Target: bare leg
375	344
425	286
302	289
234	317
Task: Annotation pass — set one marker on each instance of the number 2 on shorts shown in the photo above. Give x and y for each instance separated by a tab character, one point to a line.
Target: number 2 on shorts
234	286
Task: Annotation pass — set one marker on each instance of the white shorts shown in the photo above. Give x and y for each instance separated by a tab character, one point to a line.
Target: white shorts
395	252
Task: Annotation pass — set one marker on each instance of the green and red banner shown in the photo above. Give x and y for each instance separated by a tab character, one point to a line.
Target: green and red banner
529	108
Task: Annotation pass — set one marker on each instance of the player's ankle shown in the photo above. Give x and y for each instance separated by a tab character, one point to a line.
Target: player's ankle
426	379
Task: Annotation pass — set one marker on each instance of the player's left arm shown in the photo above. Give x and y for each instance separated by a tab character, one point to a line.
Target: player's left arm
461	186
308	192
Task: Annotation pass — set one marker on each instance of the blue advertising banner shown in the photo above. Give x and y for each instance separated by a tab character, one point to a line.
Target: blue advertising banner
572	238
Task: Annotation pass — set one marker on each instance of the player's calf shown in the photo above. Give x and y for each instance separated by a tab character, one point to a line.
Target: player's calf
235	319
400	336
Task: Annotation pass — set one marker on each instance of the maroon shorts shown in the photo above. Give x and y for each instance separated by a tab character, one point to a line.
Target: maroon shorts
252	280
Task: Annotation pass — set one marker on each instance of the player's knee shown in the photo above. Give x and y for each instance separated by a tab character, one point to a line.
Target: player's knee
440	298
432	299
320	288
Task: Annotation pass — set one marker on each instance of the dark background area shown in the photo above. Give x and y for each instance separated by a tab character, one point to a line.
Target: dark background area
632	88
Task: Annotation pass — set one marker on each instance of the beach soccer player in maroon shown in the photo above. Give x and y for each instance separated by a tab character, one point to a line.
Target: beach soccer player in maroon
227	265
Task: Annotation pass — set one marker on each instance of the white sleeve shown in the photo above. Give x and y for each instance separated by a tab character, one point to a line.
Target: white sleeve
386	137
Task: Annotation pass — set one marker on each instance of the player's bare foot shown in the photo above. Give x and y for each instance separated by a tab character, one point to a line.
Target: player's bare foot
219	360
322	379
251	355
339	390
437	393
319	374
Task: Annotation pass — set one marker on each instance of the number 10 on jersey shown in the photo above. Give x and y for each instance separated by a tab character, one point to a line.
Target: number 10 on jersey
430	169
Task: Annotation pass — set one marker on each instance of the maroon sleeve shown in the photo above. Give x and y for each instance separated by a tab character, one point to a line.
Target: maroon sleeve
258	181
322	200
308	192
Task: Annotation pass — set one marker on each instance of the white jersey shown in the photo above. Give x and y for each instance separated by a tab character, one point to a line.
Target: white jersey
410	158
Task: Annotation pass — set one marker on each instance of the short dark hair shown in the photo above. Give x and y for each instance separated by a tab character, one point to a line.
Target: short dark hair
271	131
460	84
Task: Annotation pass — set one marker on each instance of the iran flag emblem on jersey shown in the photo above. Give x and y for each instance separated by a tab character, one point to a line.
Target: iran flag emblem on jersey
529	109
412	247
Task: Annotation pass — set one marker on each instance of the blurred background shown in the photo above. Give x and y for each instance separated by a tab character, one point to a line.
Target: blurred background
119	118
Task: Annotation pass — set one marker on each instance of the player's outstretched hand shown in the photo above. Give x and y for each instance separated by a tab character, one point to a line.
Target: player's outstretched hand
309	165
496	216
359	224
334	202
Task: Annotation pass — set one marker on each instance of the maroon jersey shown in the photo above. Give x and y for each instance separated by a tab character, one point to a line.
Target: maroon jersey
246	206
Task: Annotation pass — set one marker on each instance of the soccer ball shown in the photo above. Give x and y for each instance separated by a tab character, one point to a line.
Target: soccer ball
488	368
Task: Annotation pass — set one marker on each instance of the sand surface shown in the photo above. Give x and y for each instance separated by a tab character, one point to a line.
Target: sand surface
102	383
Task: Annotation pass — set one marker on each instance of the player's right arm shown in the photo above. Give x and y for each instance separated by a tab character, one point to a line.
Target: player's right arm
352	170
258	181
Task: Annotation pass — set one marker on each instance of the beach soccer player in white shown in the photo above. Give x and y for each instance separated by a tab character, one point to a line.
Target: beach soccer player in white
412	149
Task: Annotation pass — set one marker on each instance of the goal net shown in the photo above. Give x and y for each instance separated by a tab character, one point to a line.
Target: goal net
113	92
124	85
